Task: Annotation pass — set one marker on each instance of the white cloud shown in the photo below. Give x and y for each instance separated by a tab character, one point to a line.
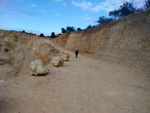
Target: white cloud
33	5
84	5
87	17
107	5
24	13
139	3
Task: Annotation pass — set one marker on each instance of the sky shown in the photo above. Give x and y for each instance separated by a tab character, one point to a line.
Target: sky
46	16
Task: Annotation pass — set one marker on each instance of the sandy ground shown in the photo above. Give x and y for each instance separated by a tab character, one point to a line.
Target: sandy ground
82	85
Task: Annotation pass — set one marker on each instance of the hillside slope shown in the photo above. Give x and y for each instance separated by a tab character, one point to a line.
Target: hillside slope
126	40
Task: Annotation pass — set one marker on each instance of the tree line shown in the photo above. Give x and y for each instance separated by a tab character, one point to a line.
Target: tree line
68	29
125	9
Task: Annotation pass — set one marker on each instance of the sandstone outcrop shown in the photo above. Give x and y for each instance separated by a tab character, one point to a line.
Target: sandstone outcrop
57	61
37	68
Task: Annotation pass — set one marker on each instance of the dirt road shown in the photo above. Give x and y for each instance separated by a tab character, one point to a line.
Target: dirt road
82	85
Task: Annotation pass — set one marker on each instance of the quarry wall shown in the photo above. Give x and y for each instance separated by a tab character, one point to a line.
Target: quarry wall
126	40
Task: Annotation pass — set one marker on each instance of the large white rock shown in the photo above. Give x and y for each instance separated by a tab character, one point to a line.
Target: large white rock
57	61
65	56
37	68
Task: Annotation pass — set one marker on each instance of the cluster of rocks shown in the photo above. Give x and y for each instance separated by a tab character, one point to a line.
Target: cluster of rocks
37	67
13	51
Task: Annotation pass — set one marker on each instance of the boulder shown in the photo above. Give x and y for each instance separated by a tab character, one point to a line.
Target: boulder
41	49
37	68
65	56
57	61
66	53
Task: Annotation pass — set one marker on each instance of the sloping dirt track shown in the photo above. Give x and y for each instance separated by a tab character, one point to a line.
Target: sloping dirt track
82	85
27	59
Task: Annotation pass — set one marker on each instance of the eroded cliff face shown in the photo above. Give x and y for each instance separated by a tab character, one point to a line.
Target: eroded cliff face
126	40
22	48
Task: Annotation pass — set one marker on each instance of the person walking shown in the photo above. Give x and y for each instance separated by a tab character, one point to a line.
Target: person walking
76	53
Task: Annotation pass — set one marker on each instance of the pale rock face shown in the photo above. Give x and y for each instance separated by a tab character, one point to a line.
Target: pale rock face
65	56
37	68
57	61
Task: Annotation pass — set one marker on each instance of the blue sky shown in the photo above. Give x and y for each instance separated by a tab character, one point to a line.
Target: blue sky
46	16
